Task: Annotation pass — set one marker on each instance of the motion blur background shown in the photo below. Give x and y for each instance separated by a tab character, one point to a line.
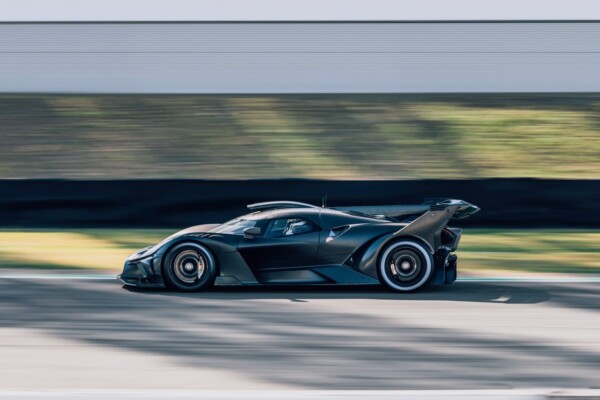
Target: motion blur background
122	121
154	124
309	136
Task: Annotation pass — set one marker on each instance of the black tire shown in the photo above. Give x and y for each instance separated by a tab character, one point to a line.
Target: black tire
189	267
405	266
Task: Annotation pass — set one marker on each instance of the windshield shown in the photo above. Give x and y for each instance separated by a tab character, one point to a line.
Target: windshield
234	227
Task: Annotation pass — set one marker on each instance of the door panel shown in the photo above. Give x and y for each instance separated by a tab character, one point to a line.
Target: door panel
262	253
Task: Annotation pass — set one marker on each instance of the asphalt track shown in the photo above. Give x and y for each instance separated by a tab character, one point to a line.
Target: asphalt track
93	334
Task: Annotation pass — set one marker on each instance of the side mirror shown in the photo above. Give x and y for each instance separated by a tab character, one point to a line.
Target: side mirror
250	233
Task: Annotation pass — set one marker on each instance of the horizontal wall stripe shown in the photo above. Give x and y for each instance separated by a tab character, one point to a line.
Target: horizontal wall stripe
300	58
313	37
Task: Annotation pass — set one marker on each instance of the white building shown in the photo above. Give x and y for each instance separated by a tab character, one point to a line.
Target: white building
344	46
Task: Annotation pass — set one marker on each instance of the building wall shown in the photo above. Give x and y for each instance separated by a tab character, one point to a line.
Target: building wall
300	57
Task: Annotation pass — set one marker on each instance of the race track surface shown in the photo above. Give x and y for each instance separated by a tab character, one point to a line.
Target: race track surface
95	334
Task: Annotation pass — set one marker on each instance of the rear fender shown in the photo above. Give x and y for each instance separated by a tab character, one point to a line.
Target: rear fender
426	230
368	262
428	227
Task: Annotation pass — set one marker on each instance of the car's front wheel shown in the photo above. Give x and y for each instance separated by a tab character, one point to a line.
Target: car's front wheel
405	266
188	267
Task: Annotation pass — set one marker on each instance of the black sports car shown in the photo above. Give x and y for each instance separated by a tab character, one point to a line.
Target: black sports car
285	242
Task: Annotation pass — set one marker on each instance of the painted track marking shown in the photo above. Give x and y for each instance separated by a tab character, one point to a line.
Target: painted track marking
508	279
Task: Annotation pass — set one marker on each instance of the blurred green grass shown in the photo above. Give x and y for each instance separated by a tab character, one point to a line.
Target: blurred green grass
300	136
104	249
528	250
531	250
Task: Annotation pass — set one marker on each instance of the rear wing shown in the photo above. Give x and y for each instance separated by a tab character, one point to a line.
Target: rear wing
461	208
429	218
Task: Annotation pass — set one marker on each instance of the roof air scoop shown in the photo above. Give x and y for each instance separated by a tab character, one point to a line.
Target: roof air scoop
273	205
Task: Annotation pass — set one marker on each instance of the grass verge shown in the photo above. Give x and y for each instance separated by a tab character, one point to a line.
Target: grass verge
556	251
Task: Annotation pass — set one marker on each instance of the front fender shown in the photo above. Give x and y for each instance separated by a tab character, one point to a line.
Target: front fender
224	249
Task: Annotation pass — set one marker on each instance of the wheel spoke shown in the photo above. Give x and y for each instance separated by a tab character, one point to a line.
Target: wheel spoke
189	266
405	266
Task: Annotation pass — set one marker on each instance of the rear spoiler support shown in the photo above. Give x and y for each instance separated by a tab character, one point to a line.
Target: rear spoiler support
428	226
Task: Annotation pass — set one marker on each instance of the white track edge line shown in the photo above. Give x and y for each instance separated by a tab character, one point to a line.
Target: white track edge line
567	279
533	393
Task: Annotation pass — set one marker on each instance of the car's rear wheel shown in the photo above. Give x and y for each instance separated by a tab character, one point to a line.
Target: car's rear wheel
188	267
405	266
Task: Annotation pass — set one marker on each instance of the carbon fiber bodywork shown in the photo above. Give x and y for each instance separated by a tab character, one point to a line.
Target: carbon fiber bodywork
343	248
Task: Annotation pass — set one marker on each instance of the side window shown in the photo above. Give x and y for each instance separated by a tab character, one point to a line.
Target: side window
284	227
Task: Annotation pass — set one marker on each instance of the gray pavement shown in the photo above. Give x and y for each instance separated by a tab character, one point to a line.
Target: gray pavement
75	334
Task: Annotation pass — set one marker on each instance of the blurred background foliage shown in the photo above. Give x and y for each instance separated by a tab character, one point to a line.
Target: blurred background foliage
531	250
300	136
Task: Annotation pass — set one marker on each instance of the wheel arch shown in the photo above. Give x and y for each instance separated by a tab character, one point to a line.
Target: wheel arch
405	238
228	261
412	238
188	241
160	256
171	265
370	258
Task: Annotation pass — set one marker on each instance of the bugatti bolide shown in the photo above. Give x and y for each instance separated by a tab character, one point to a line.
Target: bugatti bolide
285	242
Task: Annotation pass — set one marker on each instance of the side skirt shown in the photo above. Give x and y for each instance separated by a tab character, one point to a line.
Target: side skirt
326	274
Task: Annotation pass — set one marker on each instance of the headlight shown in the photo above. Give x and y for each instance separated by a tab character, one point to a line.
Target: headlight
143	253
150	250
